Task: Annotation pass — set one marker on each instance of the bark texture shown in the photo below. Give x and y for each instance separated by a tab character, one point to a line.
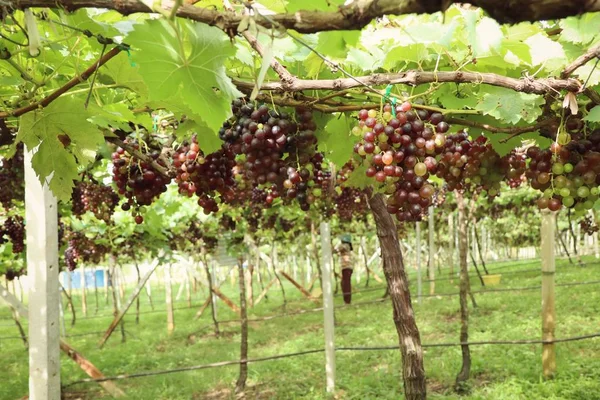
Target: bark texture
240	385
465	371
413	370
355	15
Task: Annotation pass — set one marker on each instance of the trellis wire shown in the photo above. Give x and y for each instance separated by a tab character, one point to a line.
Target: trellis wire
314	351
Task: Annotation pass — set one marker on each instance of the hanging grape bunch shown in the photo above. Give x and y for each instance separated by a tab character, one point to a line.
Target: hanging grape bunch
514	165
567	175
400	153
14	229
275	153
588	225
93	197
137	180
470	165
205	176
12	178
81	248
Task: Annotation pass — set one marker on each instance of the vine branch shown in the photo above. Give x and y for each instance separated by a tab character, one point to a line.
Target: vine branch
355	15
415	78
65	88
165	172
592	53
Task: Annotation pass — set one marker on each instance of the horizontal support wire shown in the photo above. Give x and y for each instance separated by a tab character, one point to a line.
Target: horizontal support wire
314	351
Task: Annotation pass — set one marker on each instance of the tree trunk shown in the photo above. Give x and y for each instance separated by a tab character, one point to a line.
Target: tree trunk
71	307
211	296
481	258
413	370
465	371
240	385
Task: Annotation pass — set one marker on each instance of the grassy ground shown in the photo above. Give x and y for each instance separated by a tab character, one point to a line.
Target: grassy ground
498	372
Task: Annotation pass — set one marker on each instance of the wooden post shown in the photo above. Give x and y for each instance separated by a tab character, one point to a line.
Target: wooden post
431	253
451	246
328	306
169	301
124	310
264	292
548	311
214	284
418	254
226	300
41	217
304	292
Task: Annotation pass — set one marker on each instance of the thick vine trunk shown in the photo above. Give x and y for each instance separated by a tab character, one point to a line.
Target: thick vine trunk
211	296
465	370
240	385
413	370
70	304
477	243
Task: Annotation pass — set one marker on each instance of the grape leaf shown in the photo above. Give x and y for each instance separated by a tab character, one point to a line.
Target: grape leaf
581	30
358	178
65	116
124	74
336	141
510	107
320	5
336	43
207	140
191	74
503	148
545	51
593	115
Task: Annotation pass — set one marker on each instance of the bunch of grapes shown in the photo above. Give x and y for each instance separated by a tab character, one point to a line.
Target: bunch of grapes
276	153
472	165
91	196
12	178
350	203
205	176
137	180
567	175
14	229
514	165
588	226
400	147
82	248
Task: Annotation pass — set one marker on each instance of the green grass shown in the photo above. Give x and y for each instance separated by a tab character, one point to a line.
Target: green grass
498	372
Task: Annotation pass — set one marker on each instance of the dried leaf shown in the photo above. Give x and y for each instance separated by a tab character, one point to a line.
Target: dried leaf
570	102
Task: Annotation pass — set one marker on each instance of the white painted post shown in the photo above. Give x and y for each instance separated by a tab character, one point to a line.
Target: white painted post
451	245
431	253
418	253
44	297
548	309
328	306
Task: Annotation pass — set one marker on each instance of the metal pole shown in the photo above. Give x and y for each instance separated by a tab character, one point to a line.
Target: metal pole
548	310
42	267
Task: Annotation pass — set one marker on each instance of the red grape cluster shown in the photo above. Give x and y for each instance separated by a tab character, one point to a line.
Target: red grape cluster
14	229
588	225
12	178
470	165
93	197
567	175
137	180
400	148
275	153
350	203
205	176
514	165
82	248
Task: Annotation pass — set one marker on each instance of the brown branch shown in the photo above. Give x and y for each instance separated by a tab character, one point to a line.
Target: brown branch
165	172
286	78
414	78
513	131
349	17
592	53
65	88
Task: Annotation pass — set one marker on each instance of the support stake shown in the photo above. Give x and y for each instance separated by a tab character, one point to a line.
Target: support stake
328	307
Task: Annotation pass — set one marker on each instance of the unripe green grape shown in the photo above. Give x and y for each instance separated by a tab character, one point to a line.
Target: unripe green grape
548	193
568	201
583	192
383	138
483	171
564	192
361	151
568	168
386	116
588	204
579	207
420	169
560	182
492	192
476	179
594	191
317	192
558	169
356	131
578	181
372	113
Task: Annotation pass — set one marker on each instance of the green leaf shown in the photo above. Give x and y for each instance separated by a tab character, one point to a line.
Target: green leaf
310	5
335	44
401	55
336	141
358	178
581	30
186	66
124	74
65	116
509	106
207	140
593	115
545	51
518	49
503	148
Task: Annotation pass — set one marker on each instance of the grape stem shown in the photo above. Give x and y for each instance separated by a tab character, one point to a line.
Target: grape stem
165	172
